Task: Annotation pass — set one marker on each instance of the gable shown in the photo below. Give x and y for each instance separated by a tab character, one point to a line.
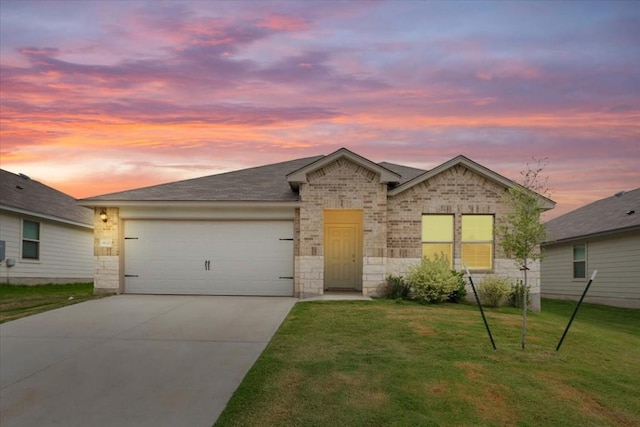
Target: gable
457	183
463	165
367	166
342	167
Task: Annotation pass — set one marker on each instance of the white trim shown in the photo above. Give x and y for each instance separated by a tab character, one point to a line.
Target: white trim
186	204
298	177
38	241
475	167
44	216
206	213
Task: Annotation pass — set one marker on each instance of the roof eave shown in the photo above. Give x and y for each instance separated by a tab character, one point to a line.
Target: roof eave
96	203
547	204
299	176
45	216
591	235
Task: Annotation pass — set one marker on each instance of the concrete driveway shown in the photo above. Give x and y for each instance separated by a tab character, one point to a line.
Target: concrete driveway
133	360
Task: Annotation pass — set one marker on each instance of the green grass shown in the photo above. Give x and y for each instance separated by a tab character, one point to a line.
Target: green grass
18	301
388	363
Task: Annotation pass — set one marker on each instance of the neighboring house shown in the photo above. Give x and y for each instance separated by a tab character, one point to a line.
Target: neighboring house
299	228
603	236
47	237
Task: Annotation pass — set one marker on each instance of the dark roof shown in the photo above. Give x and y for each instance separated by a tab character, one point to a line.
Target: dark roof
259	184
406	173
604	216
271	183
19	192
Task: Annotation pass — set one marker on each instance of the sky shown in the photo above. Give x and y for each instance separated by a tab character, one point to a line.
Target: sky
104	96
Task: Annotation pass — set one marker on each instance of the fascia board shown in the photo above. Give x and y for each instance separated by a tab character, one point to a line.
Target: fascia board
300	175
591	236
179	203
469	164
44	216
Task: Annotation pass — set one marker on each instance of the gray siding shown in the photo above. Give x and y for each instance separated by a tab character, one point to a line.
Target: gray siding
66	252
617	259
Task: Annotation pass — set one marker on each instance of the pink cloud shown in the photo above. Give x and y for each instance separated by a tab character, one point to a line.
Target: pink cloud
284	23
194	89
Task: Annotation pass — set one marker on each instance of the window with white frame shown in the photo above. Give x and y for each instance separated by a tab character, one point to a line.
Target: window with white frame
580	261
30	240
477	241
437	236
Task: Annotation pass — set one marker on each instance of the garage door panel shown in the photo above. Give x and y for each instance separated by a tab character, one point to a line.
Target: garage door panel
209	257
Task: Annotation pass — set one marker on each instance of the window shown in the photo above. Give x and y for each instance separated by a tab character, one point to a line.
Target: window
30	240
477	241
437	236
580	261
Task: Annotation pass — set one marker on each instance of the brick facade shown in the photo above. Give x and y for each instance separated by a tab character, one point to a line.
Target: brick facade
391	224
456	191
341	184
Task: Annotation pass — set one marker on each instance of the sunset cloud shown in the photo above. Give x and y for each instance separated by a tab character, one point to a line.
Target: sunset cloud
147	92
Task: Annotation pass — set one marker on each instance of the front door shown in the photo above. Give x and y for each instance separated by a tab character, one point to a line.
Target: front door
343	249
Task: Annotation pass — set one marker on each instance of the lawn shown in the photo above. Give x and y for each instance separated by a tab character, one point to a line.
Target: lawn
21	301
388	363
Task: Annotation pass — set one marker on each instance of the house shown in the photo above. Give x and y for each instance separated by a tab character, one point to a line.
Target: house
299	228
604	236
45	237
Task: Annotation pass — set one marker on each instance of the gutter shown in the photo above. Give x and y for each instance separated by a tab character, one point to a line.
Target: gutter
45	216
592	235
187	203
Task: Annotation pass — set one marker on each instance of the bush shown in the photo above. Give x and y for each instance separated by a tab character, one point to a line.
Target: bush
397	287
432	281
493	291
459	294
515	294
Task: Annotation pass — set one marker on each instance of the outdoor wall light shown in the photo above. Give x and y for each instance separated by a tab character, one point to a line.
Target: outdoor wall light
103	215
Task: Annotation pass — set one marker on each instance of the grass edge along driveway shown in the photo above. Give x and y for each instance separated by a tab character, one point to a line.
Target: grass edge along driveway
17	301
389	363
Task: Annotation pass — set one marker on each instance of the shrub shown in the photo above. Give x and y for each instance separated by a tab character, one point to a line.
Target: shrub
458	294
432	281
397	287
493	291
515	294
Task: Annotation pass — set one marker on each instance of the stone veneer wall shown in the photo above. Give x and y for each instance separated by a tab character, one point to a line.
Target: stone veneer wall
341	185
456	191
106	258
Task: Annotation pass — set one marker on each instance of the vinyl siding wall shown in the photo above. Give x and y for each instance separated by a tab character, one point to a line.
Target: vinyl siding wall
66	252
617	259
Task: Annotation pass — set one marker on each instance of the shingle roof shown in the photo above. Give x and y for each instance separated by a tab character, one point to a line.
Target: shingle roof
269	183
406	173
263	183
600	217
259	184
19	192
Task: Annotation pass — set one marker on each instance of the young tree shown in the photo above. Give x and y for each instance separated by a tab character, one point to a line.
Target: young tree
524	231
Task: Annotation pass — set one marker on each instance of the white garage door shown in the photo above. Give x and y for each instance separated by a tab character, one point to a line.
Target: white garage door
209	257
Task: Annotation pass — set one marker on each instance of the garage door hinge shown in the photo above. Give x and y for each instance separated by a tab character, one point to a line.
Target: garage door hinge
286	277
130	275
286	239
130	238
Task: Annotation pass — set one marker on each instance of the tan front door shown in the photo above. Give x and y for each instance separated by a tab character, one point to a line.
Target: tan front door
343	249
